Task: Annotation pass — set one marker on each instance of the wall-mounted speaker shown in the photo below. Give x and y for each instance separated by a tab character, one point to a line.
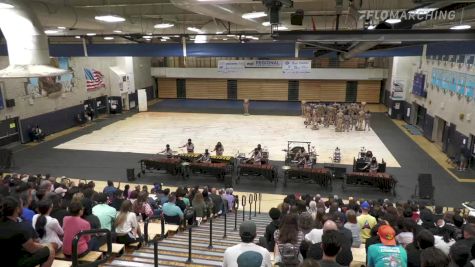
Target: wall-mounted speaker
10	103
297	17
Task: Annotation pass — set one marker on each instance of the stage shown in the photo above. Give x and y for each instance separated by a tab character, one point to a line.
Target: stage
149	132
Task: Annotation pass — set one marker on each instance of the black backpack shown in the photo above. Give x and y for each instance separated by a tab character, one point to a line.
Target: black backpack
289	254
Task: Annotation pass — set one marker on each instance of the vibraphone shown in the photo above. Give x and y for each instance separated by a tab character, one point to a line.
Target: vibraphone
320	176
266	170
216	169
384	181
171	165
189	157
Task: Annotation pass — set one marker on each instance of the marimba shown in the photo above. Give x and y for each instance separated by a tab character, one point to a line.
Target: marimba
267	171
320	176
384	181
216	169
171	165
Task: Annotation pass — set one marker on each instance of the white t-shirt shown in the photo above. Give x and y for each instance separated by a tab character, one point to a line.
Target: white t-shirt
315	236
442	245
129	224
232	253
53	230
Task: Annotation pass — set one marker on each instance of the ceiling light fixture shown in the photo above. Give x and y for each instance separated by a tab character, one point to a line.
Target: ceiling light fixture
6	6
163	25
219	32
176	36
254	15
225	39
193	29
110	18
117	31
165	37
147	37
61	28
91	34
393	21
282	28
371	27
51	31
461	27
77	37
200	39
266	23
163	40
108	38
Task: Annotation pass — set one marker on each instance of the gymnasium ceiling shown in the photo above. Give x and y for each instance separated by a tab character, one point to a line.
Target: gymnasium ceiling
221	21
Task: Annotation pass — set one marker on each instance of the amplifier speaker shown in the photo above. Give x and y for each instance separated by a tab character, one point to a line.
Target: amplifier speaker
228	181
426	189
5	159
130	174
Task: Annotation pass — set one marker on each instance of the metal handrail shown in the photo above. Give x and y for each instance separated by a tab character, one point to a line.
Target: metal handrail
74	255
147	221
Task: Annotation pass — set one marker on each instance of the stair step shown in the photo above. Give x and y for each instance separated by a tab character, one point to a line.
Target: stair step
205	239
195	252
176	259
185	244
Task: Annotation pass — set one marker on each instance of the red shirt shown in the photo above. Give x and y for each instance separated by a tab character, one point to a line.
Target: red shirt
71	226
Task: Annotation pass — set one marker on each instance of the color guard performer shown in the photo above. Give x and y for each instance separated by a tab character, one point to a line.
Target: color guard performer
190	147
245	106
219	149
367	117
167	151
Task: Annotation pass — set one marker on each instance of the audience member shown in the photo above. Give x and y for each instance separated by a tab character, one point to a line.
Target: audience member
331	246
199	206
388	253
126	225
109	190
287	240
365	221
353	226
173	214
267	240
47	228
459	255
247	231
72	225
424	239
104	212
433	257
17	241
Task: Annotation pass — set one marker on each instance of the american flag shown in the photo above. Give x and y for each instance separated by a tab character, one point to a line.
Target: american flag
94	79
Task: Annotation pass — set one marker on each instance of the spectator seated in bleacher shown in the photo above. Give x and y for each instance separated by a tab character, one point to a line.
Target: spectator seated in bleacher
17	241
267	240
72	225
126	225
247	232
37	134
171	212
89	113
104	212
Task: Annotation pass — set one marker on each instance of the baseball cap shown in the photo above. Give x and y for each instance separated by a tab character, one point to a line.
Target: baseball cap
247	228
60	191
387	235
365	205
250	259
